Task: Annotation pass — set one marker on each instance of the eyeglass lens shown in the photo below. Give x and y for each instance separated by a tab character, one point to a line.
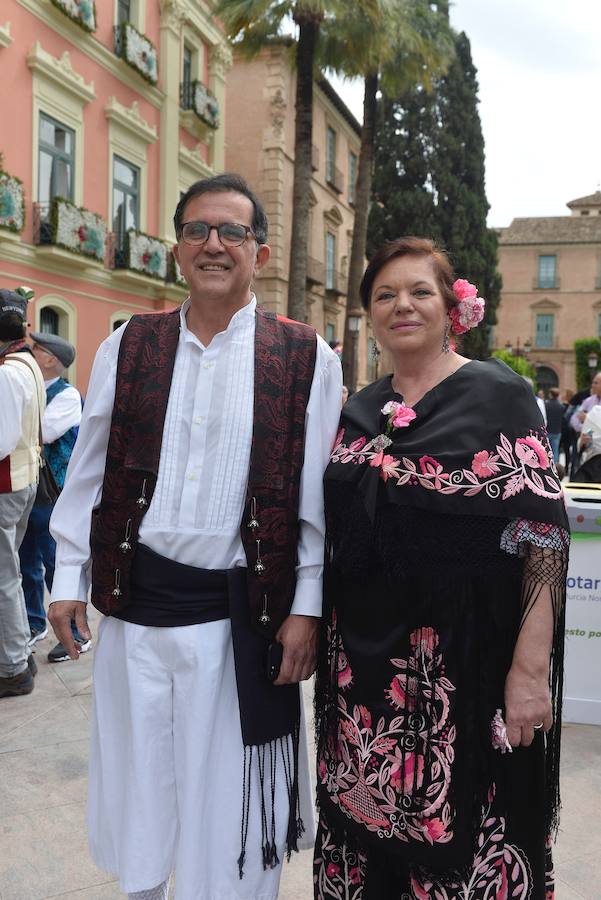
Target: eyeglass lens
230	234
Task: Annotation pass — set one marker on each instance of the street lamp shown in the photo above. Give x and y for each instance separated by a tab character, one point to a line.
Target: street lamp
519	351
355	315
592	360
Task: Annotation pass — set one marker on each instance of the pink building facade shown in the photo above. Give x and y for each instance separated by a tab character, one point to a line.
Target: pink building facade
110	111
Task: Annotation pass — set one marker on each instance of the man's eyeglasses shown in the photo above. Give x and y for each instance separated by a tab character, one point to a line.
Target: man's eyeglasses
229	233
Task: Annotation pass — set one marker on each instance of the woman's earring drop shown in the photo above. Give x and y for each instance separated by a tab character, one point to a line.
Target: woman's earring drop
446	344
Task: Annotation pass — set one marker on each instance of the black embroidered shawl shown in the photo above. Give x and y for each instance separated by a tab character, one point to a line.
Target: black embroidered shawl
441	535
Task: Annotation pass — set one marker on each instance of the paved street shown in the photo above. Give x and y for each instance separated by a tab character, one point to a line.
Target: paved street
43	752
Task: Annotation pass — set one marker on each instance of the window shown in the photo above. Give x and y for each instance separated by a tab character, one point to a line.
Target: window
544	330
123	11
49	321
330	261
126	198
187	65
330	155
352	176
330	333
547	270
56	155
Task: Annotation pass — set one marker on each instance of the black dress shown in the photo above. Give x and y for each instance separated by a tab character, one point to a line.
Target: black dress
441	533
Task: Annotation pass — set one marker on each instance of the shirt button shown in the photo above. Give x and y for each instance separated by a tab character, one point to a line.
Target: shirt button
207	365
191	476
199	420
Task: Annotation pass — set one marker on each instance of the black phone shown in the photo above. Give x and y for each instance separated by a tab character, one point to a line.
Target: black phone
275	652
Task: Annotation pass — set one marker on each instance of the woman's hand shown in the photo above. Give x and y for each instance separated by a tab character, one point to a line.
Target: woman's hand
527	703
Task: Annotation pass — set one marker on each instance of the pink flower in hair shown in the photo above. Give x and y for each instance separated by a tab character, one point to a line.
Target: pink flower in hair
469	310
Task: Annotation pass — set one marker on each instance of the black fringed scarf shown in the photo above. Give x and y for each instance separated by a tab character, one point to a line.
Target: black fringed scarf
440	535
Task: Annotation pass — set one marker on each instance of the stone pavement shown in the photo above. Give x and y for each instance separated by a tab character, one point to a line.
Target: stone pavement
43	753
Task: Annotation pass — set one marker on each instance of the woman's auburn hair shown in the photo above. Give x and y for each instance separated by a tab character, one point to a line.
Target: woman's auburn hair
410	246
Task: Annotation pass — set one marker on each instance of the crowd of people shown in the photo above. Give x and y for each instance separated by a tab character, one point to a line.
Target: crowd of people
419	566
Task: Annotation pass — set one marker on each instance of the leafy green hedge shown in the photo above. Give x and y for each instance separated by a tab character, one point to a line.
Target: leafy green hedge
519	364
583	348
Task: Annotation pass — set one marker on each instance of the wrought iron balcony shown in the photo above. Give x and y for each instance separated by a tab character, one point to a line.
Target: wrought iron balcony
42	229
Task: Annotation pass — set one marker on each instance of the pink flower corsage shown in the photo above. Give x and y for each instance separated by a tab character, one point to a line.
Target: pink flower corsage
498	731
469	310
399	415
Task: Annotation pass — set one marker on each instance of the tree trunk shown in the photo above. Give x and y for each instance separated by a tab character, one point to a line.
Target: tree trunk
303	138
362	199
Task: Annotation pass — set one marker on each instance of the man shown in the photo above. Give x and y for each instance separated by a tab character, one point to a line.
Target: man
203	443
21	407
555	413
592	399
60	422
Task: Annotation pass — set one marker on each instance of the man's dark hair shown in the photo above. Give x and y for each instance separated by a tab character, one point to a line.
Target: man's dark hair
223	184
12	326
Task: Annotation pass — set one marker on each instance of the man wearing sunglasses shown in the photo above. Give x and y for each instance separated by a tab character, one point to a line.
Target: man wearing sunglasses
198	477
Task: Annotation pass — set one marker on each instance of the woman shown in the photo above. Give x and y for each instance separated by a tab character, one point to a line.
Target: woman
440	675
590	446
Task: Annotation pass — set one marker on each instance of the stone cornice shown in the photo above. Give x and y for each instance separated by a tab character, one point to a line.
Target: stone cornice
91	46
60	71
194	161
221	60
173	12
130	118
5	37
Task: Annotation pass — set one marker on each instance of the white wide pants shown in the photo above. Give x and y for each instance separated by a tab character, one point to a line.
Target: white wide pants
166	766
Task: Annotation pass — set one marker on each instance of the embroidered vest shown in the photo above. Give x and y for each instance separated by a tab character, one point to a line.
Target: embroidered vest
20	468
58	453
284	364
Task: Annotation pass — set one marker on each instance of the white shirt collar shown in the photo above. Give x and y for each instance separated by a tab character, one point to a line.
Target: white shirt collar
52	380
239	318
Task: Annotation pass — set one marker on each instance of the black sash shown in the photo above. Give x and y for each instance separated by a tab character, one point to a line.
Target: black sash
166	593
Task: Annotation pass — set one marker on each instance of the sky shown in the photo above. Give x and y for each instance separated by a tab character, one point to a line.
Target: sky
539	70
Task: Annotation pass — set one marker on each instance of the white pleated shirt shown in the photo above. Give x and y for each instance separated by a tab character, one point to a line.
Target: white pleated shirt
196	510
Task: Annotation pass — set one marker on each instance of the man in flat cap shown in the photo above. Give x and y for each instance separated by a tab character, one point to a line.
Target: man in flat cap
60	425
22	403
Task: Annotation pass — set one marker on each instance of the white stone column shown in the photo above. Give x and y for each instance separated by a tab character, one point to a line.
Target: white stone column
173	15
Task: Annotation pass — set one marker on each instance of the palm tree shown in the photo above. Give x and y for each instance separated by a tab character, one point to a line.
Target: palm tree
409	42
251	24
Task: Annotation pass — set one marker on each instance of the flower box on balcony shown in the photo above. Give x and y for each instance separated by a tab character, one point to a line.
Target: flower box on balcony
76	229
12	203
82	12
205	105
146	254
137	51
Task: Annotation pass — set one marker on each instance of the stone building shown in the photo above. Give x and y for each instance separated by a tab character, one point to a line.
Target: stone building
551	269
108	111
260	145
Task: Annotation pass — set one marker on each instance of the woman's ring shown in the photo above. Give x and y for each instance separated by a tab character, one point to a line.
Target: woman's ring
538	727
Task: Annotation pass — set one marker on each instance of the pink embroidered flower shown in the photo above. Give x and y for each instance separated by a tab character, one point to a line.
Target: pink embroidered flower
355	875
435	828
323	771
355	446
419	892
338	440
429	465
407	768
463	289
332	870
376	460
345	674
484	464
424	639
402	692
531	452
389	467
365	716
498	733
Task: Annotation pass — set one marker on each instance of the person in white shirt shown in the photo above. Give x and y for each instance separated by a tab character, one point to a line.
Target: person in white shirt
60	423
178	781
21	407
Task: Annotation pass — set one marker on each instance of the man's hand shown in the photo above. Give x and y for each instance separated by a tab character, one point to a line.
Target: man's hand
298	635
60	615
527	703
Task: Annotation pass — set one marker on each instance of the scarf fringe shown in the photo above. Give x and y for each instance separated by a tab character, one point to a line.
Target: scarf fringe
264	761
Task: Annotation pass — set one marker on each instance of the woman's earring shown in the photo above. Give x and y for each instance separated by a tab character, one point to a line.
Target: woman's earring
375	351
446	345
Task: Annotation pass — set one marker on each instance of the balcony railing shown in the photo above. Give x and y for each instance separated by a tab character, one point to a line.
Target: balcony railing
196	96
545	284
314	157
42	229
336	282
316	271
335	179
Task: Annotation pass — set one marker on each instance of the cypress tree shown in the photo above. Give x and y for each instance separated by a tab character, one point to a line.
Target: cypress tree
430	181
